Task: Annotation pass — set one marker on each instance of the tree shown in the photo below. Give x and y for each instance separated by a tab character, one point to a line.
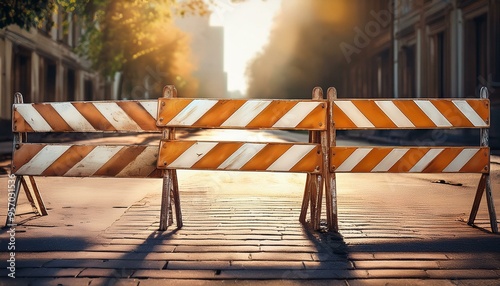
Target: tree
25	14
136	38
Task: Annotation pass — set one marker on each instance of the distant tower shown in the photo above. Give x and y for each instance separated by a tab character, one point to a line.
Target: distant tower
207	46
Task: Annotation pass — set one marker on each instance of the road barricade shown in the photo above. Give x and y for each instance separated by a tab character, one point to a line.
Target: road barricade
453	113
319	158
308	157
80	160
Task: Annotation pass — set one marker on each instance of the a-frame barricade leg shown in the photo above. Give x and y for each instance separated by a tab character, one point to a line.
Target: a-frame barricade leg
170	189
484	183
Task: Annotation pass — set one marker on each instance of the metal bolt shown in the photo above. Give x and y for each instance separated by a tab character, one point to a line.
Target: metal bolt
165	163
161	118
17	146
323	105
163	103
321	124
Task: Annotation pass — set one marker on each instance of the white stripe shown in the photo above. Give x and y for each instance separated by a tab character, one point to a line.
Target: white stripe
291	157
470	113
151	107
433	113
461	159
354	114
192	112
296	114
353	160
241	156
73	117
143	164
392	158
394	113
116	116
42	160
93	161
246	113
425	160
192	155
32	117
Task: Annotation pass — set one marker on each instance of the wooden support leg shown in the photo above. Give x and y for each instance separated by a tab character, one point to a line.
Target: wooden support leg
484	184
477	200
177	200
38	201
305	200
165	200
491	206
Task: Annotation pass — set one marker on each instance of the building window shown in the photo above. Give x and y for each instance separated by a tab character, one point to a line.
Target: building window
475	52
70	85
408	72
437	75
21	71
48	72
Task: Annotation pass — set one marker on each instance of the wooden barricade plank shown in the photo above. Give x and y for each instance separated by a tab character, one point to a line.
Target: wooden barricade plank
410	113
242	114
68	160
410	159
240	156
96	116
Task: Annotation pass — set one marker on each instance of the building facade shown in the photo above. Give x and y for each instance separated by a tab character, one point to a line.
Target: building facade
428	49
42	65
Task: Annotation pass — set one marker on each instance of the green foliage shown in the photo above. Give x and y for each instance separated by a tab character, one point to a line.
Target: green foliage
26	13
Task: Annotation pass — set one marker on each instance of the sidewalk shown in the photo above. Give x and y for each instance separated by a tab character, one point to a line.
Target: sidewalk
236	231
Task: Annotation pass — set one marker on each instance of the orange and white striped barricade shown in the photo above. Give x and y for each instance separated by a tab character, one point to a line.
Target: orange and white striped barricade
80	160
310	115
417	114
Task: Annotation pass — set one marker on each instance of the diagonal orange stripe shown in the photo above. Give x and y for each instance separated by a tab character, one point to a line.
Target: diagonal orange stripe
479	163
52	117
341	120
408	160
482	108
376	116
171	150
452	113
442	160
19	124
93	116
266	157
138	114
168	108
371	160
219	113
271	114
67	160
315	119
414	113
310	163
339	155
24	154
119	161
215	157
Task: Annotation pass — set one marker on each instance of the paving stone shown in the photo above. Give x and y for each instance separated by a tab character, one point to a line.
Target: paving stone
48	272
399	282
397	273
114	263
198	265
462	274
175	274
263	265
396	264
